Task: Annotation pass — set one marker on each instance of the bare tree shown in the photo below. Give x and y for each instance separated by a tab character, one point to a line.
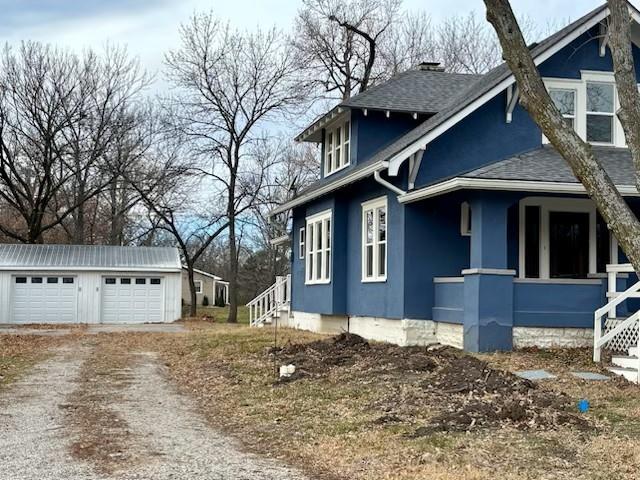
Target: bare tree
232	84
167	185
578	154
338	42
59	115
104	107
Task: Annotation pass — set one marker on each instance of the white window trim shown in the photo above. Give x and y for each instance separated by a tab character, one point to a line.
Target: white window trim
326	248
551	204
465	215
302	242
330	154
374	205
198	284
580	87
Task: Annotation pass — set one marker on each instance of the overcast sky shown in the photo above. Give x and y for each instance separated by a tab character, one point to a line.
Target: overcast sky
150	27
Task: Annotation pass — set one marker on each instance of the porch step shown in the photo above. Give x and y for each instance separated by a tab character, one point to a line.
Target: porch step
630	374
626	361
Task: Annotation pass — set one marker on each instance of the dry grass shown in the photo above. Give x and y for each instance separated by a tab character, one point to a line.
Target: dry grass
102	437
329	425
20	352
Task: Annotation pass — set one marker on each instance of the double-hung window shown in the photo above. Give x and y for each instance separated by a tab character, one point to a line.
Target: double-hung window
337	147
318	248
565	101
374	240
600	112
301	243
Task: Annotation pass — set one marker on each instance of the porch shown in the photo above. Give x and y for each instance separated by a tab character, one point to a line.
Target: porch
537	272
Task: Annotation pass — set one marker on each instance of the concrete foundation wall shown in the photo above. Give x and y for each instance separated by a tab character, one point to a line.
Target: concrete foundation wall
399	332
552	337
424	332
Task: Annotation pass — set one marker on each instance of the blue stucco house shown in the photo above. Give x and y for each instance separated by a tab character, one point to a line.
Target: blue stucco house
443	214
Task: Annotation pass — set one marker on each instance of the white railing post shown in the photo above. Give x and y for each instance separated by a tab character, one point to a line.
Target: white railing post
268	302
612	290
597	334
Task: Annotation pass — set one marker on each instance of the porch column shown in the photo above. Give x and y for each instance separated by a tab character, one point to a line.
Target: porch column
488	284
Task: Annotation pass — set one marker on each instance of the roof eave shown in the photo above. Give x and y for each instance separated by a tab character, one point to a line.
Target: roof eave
329	187
533	186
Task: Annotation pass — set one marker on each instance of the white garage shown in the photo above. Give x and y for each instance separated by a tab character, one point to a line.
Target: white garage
89	284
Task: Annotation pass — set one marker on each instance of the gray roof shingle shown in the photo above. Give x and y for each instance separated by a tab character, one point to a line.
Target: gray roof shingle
99	257
421	91
547	165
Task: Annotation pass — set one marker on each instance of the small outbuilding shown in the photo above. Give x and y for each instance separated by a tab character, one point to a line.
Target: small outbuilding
89	284
207	285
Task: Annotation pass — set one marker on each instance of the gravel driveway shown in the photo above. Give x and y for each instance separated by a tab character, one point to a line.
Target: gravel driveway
165	434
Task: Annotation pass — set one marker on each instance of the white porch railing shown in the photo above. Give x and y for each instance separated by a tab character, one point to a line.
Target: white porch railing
617	334
267	305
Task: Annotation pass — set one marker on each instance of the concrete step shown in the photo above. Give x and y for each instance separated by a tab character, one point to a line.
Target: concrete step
626	361
630	374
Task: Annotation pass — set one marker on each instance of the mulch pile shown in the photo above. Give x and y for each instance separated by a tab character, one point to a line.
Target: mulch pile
466	393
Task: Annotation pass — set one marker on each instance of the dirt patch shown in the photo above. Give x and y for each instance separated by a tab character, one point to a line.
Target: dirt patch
102	437
468	394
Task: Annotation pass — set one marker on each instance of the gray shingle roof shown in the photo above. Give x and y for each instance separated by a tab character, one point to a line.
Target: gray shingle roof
421	91
85	257
480	87
546	165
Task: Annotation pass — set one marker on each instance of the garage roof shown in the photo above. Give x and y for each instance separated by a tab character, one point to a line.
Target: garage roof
88	257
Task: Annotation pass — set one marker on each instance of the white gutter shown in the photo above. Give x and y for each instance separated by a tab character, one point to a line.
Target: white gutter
461	183
384	183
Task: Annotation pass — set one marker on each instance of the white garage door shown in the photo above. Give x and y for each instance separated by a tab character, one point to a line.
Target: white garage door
43	299
132	299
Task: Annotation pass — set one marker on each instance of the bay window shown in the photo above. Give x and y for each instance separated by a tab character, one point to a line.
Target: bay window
337	148
374	240
318	248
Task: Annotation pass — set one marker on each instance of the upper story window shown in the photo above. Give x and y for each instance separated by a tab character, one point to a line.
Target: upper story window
600	112
337	148
589	105
374	240
565	100
318	248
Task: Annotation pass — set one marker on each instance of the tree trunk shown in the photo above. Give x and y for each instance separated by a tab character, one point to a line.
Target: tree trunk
193	308
578	154
233	267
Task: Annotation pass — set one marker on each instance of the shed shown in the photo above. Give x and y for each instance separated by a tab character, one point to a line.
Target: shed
89	284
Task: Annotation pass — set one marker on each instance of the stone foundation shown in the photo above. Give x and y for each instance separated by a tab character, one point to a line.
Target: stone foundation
552	337
399	332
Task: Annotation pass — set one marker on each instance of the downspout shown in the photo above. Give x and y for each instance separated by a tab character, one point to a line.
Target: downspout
385	183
